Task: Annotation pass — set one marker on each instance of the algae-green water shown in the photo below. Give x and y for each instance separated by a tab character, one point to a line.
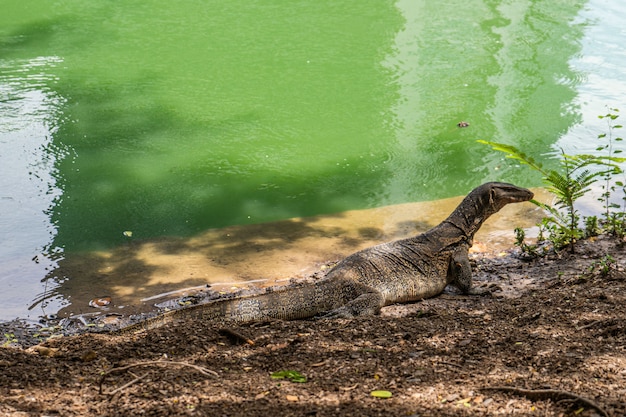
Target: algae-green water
143	119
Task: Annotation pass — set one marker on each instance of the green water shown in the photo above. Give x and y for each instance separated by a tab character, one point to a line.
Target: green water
168	118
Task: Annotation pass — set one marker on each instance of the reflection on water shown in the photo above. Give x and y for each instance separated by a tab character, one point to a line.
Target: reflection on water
29	113
244	113
532	67
501	66
601	81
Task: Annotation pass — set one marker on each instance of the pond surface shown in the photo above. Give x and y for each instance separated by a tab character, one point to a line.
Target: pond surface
126	125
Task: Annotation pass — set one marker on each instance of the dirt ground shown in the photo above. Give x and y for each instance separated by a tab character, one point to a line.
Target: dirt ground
552	331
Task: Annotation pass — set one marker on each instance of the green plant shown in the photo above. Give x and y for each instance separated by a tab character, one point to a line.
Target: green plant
611	216
567	184
604	267
558	235
592	228
520	236
615	224
10	339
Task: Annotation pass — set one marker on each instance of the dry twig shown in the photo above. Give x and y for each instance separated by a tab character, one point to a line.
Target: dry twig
586	326
454	365
550	394
123	387
202	370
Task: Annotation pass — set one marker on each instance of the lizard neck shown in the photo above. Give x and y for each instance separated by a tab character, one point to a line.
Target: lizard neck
469	216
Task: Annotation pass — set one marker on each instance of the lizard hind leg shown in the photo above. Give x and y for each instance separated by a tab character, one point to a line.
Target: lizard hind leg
365	304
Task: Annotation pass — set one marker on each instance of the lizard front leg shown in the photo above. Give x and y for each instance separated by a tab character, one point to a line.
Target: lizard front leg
461	272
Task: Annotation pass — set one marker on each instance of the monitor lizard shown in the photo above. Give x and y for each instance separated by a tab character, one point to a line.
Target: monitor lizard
405	270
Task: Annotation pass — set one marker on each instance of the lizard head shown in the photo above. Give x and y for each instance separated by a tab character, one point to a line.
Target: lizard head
490	197
500	194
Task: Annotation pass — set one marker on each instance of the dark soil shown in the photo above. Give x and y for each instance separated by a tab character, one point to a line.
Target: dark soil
552	329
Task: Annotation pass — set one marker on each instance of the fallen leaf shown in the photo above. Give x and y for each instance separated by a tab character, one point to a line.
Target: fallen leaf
261	395
292	398
381	394
450	398
293	376
89	356
43	350
465	402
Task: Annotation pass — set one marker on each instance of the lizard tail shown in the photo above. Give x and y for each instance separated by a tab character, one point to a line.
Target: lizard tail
289	304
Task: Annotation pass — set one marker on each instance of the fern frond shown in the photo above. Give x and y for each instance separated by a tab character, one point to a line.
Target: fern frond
513	153
556	216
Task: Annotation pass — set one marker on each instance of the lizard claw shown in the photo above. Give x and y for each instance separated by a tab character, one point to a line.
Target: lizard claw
483	291
338	313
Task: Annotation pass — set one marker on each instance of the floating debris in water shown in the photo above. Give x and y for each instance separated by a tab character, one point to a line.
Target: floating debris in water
100	302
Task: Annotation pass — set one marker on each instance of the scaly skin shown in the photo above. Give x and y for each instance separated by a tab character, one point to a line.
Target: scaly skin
401	271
